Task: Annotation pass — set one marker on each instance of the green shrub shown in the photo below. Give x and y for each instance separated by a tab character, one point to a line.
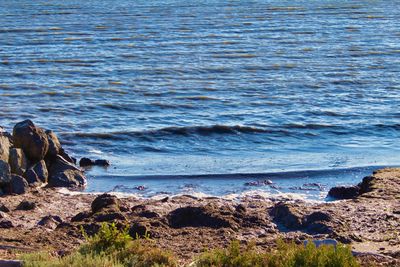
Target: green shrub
74	260
110	247
286	255
107	240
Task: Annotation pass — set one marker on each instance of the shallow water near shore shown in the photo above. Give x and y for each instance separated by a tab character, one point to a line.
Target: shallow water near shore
175	92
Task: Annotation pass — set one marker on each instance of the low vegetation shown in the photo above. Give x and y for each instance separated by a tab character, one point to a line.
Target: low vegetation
111	247
286	255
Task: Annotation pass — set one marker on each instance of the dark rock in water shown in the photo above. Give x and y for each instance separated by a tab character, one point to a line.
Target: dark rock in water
26	205
197	217
65	174
18	161
86	162
102	162
50	221
54	144
4	223
138	230
4	208
344	192
5	173
19	185
81	216
105	201
41	171
4	147
140	188
32	139
287	216
109	217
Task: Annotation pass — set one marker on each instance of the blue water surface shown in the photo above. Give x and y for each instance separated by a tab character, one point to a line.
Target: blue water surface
206	87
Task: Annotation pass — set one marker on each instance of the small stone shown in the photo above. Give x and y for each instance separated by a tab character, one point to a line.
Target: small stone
4	208
4	223
50	221
26	205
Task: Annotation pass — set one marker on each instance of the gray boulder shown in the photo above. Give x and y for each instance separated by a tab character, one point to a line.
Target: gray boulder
5	173
19	185
41	171
4	147
54	144
31	177
32	139
37	173
18	161
65	174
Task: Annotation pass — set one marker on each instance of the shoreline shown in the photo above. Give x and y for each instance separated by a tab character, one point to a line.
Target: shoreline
368	222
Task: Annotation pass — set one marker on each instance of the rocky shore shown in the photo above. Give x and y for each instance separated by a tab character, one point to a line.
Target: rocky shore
36	213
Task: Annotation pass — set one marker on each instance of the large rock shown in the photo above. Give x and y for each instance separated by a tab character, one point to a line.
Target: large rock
5	172
4	147
32	139
206	216
19	185
105	201
18	161
344	192
54	144
64	174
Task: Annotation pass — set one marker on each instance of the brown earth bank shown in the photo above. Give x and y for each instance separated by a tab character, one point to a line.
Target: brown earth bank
52	219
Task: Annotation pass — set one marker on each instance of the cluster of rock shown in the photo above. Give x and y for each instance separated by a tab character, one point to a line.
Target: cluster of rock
31	157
